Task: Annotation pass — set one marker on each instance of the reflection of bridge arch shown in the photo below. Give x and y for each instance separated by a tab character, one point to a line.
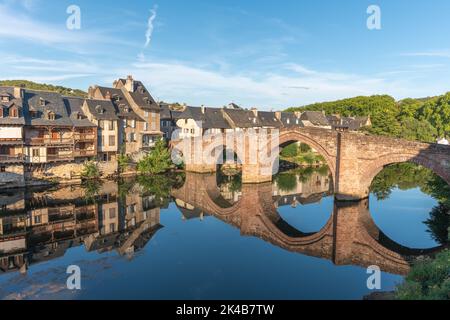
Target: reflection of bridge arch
350	236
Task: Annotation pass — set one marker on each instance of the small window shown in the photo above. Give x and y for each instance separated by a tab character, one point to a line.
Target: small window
42	102
112	126
112	213
14	113
146	126
112	227
112	141
37	219
146	113
36	153
2	169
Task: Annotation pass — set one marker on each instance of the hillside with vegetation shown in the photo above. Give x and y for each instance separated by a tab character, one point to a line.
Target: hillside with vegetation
44	87
414	119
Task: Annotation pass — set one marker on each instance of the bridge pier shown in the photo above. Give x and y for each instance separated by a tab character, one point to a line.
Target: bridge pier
201	168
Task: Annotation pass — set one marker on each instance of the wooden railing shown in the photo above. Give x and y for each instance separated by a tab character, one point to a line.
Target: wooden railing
49	141
60	157
84	153
84	137
4	158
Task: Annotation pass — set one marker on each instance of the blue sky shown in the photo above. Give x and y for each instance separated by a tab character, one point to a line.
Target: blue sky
269	54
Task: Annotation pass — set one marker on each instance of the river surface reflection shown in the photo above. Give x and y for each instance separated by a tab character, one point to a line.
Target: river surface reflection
197	236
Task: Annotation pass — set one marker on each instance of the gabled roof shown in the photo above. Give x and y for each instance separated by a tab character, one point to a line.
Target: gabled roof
210	118
143	98
215	119
317	118
289	119
269	119
120	102
242	118
74	108
43	102
102	109
5	120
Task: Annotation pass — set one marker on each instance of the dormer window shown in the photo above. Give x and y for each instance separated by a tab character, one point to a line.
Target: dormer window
14	112
287	121
5	98
79	116
33	114
51	116
254	120
100	109
41	102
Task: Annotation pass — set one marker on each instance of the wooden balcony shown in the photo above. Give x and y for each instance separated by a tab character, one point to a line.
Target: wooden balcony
11	142
49	141
5	158
60	157
84	137
84	153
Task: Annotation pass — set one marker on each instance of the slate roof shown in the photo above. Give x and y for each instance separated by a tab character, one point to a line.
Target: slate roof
143	98
210	119
43	103
96	106
242	118
289	119
215	119
9	92
317	118
121	104
269	119
74	109
354	123
165	113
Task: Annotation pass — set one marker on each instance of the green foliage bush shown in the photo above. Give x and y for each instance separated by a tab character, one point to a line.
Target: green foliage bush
157	161
44	87
90	171
428	280
413	119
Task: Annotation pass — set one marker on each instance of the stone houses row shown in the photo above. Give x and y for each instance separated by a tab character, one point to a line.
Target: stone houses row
41	130
195	121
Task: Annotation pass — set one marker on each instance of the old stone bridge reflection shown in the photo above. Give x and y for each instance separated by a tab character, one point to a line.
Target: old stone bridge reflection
350	237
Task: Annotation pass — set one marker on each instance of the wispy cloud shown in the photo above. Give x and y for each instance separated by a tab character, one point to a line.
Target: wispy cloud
150	27
435	54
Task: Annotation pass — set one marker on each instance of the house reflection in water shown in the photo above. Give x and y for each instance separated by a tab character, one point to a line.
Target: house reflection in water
36	226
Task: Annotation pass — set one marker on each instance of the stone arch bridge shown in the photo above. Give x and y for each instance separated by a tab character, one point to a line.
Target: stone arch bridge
353	158
350	237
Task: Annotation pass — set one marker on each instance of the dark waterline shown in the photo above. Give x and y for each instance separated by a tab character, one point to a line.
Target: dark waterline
179	251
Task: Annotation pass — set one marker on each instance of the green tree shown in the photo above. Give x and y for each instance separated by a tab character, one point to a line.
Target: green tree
90	171
44	87
290	151
123	161
428	280
157	161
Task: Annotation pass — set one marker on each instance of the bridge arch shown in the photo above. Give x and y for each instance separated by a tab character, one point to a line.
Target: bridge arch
290	136
377	165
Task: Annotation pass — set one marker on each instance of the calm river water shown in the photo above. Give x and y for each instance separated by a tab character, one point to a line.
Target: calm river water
207	237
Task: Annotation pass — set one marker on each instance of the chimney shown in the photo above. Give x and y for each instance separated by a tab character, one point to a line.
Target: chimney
18	93
278	115
298	114
108	95
255	111
203	109
91	92
129	85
